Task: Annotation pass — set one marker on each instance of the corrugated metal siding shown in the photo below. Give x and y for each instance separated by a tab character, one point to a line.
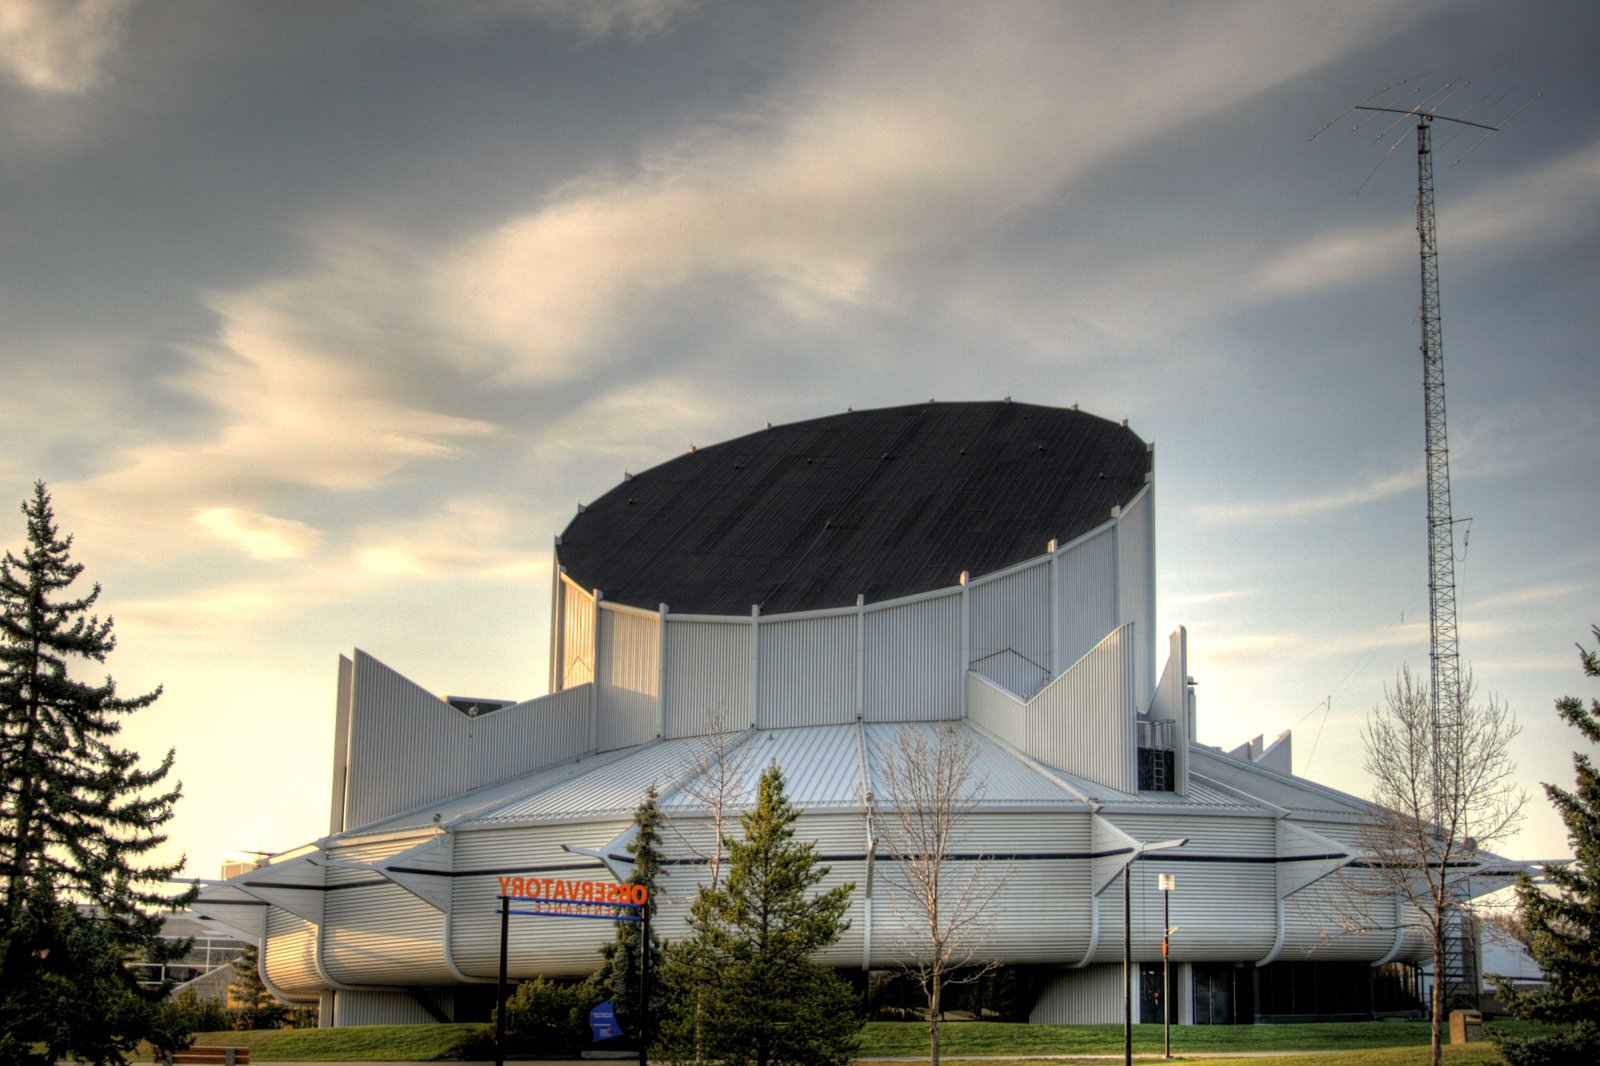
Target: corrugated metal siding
1136	545
998	711
1227	910
1010	628
577	636
913	661
1323	921
1083	722
376	933
555	947
611	786
1088	594
833	836
708	677
630	678
1090	996
290	953
527	735
393	718
389	1008
808	672
821	766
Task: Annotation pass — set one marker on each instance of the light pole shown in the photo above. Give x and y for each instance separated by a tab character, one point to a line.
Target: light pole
1168	882
1127	941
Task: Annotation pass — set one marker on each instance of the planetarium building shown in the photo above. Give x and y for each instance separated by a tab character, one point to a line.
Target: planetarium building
806	595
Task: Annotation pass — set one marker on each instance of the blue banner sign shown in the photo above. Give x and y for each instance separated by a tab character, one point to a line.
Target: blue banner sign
603	1021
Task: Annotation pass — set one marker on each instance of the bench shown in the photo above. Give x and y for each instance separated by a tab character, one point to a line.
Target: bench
226	1056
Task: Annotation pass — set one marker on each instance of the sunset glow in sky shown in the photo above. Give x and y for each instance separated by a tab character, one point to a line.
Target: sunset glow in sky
320	320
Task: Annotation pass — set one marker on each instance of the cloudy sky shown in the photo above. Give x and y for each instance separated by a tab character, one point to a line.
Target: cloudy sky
320	319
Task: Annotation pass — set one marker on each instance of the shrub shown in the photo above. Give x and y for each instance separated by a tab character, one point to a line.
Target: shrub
548	1017
1580	1044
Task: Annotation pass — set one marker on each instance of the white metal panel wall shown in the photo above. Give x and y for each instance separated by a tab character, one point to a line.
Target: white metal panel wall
1171	703
808	672
1333	920
577	635
630	678
1090	996
527	735
1083	722
1087	589
1136	585
555	947
389	1008
840	841
393	718
1225	909
375	933
998	711
708	676
289	954
913	661
1011	614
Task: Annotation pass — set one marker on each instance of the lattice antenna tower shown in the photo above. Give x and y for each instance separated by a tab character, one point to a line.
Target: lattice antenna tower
1413	102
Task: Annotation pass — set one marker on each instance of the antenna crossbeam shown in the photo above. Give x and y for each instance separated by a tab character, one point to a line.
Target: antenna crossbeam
1427	116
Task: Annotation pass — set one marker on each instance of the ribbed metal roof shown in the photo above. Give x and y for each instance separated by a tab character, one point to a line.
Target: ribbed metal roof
882	503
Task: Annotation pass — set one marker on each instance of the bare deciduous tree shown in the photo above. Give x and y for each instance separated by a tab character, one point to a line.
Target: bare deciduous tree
718	778
1442	789
947	904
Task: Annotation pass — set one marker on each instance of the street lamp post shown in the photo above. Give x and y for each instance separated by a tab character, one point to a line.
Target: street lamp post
1139	852
1168	882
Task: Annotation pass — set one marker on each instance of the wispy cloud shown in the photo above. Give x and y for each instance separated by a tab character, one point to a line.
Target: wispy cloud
261	536
60	47
1550	202
1376	487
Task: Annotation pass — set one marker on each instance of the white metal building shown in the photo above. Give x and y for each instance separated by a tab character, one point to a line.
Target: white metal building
801	595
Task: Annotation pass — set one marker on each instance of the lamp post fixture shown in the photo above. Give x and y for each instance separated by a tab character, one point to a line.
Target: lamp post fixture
1168	882
1127	942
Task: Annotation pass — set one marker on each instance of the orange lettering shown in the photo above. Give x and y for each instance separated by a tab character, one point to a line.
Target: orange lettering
504	885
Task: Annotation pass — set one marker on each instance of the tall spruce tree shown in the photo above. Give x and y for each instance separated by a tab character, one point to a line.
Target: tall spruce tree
620	975
1563	923
77	816
743	987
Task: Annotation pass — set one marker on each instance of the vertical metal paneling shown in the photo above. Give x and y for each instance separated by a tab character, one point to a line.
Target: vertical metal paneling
1083	722
389	1008
1171	703
577	636
1088	594
1090	996
393	718
998	711
708	676
520	738
630	678
913	661
1136	585
289	954
1010	629
808	672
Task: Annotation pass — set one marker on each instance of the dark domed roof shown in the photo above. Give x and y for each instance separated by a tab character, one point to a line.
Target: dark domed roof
882	503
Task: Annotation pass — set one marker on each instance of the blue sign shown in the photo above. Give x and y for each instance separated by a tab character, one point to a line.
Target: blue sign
603	1021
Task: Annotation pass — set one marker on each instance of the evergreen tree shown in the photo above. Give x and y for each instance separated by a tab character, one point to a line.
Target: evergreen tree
77	814
255	1006
744	989
1563	923
618	978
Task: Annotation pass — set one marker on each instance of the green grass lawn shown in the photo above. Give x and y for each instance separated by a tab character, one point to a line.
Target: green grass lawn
375	1043
1367	1043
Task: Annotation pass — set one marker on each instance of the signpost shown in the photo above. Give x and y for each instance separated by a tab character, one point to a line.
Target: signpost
602	900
